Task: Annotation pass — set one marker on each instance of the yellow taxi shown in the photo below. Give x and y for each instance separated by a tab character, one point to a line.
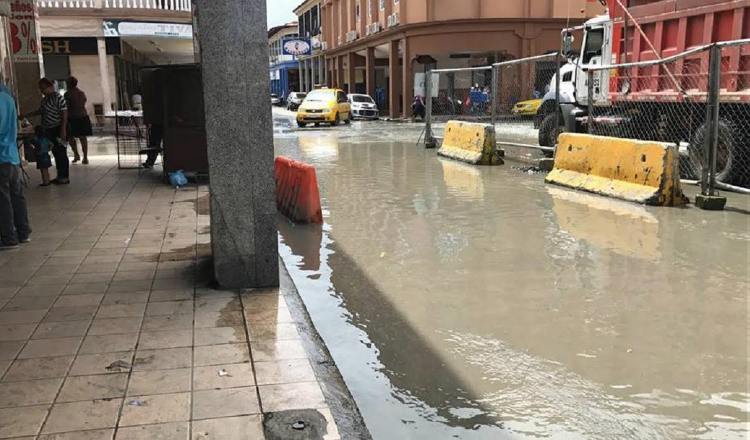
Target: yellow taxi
527	108
325	105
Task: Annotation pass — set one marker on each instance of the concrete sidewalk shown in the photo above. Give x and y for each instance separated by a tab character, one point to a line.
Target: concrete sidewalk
109	329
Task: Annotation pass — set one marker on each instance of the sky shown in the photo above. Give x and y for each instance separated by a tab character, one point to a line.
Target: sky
281	11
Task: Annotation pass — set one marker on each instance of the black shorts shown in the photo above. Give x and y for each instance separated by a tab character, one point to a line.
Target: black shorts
80	127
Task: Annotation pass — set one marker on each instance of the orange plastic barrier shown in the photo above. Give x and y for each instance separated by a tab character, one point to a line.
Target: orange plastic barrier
297	195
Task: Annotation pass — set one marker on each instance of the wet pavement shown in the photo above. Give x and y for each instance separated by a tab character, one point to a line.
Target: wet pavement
479	303
110	327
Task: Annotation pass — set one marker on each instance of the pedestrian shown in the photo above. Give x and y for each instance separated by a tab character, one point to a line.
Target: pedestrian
41	153
54	112
14	221
155	137
79	123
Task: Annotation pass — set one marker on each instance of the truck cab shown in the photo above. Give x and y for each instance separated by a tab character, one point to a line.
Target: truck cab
596	49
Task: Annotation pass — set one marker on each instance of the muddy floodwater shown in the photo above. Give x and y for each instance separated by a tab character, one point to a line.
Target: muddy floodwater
479	303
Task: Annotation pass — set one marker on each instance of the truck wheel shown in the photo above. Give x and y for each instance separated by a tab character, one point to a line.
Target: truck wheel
301	124
549	130
727	159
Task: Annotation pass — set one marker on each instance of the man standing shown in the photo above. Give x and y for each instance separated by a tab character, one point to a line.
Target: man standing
14	221
54	111
80	124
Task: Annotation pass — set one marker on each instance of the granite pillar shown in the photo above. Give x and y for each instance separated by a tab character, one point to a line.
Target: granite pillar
240	142
370	71
395	73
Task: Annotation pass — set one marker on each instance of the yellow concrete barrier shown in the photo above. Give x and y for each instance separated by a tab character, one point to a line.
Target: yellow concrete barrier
639	171
472	143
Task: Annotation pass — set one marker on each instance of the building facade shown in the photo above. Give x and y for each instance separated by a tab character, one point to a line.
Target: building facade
283	68
104	43
377	46
312	66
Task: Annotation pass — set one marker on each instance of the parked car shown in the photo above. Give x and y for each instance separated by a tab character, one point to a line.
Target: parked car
527	108
275	100
363	107
295	100
325	105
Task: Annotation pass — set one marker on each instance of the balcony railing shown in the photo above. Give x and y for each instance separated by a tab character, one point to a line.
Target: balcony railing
164	5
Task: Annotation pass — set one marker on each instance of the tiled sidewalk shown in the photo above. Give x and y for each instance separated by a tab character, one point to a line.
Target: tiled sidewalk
108	328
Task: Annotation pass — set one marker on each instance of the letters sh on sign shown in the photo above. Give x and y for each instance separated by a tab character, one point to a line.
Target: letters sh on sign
23	31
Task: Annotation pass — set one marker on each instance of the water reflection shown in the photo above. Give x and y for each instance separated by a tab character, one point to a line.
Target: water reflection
476	303
609	224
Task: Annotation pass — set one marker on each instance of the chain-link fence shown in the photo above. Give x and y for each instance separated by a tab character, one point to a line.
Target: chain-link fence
508	95
698	100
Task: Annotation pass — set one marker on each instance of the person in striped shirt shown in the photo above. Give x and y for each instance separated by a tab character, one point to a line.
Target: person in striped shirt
54	113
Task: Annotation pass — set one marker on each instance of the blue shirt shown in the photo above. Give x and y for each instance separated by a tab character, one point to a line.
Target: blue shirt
8	130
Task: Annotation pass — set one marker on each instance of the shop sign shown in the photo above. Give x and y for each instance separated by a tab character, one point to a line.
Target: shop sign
296	46
78	46
121	28
23	31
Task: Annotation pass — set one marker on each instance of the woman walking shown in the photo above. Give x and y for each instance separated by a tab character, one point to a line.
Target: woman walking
80	124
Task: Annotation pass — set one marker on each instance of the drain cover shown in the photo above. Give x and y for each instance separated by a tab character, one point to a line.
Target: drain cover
305	424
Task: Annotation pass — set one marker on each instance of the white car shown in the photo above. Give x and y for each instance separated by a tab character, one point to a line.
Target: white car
363	107
275	100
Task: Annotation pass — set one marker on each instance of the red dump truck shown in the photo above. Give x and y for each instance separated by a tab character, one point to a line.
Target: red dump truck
663	102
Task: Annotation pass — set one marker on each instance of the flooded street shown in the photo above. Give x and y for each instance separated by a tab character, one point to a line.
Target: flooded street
479	303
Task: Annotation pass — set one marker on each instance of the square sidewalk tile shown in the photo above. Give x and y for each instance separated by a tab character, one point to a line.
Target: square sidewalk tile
284	371
229	428
277	350
221	354
33	392
81	416
38	368
16	332
223	376
219	335
108	343
209	404
163	359
103	363
166	339
97	434
102	386
69	329
159	382
22	421
114	326
163	431
303	395
50	347
163	408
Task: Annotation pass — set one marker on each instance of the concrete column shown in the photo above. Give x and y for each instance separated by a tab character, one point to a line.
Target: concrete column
311	66
240	147
101	47
395	73
351	72
407	90
342	74
370	71
321	70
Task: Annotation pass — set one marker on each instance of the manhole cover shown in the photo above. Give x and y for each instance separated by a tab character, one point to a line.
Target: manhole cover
305	424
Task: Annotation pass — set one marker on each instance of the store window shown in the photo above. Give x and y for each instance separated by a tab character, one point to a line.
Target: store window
57	69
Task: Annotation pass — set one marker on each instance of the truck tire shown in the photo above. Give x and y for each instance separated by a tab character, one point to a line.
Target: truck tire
727	155
549	130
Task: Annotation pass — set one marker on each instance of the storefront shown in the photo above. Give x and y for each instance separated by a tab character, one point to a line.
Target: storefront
6	51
